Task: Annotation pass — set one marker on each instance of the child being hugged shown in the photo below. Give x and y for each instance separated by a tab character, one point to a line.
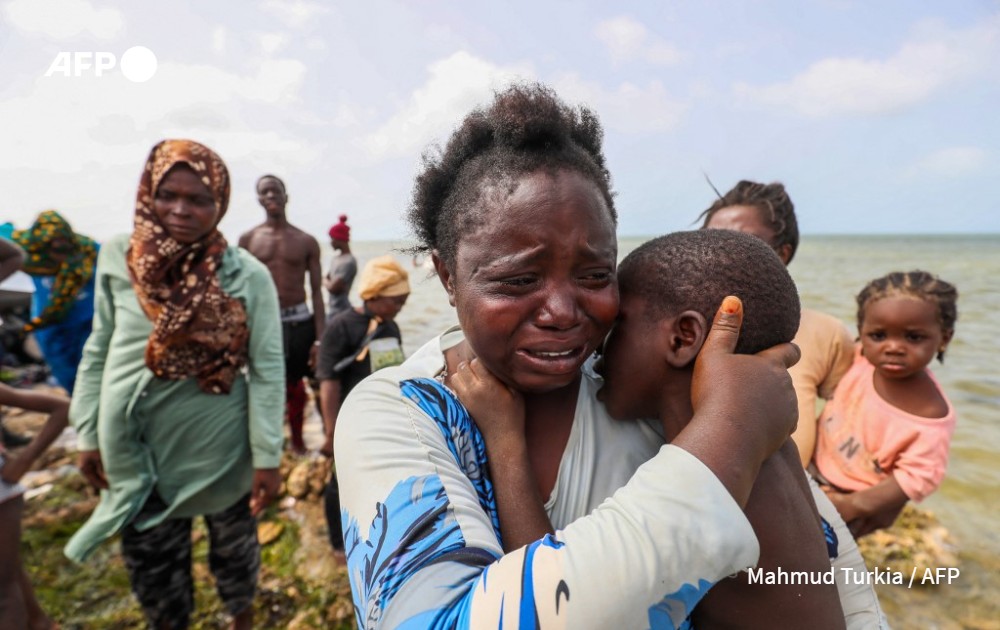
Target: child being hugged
669	289
884	438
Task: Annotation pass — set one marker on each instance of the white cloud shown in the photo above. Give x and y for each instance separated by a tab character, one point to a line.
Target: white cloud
728	50
952	162
271	43
933	59
80	141
64	19
456	84
219	37
294	13
622	36
462	81
627	39
661	54
628	108
347	115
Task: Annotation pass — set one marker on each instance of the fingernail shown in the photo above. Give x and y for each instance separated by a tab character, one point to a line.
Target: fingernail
731	305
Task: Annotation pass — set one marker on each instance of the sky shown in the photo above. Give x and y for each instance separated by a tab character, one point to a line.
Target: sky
879	117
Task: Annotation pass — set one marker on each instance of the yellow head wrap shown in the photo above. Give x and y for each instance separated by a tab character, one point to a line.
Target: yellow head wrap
383	277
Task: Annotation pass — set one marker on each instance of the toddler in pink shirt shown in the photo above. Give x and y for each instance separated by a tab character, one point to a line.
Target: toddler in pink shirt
883	440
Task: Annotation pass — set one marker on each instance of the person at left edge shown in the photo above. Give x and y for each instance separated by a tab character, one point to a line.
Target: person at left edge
180	399
61	265
11	259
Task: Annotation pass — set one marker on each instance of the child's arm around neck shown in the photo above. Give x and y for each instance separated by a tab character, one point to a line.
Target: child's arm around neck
499	414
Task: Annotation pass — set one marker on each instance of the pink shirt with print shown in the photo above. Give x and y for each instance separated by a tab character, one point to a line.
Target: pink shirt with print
862	438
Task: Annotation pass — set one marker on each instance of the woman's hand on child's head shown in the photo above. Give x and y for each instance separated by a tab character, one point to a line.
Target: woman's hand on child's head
92	469
744	405
753	392
496	409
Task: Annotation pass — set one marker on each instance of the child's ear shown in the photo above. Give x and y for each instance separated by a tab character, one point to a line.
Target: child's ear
784	252
684	333
945	340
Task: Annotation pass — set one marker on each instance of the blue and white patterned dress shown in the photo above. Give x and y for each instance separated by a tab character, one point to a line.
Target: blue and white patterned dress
636	545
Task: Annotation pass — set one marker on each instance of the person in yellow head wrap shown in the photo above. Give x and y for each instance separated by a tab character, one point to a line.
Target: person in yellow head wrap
356	343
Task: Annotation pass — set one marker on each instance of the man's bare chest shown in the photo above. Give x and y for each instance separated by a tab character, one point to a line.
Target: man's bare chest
278	250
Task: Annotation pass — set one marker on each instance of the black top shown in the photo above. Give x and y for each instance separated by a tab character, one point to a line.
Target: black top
342	338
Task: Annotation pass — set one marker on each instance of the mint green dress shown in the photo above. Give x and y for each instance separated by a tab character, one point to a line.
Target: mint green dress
197	450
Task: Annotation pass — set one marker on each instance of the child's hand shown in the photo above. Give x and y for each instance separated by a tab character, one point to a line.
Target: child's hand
863	526
496	409
842	501
880	520
861	513
13	469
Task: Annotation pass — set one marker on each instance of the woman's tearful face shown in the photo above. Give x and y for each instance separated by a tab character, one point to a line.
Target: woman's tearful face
534	284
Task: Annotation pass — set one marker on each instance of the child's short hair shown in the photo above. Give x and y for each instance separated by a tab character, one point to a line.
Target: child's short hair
918	284
696	270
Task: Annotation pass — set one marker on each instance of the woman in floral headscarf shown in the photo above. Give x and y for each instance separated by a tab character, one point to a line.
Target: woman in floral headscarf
61	264
180	402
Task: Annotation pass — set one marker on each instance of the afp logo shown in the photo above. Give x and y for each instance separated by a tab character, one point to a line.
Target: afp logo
138	64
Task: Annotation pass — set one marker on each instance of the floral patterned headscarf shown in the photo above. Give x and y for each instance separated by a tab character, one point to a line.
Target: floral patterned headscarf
198	330
72	272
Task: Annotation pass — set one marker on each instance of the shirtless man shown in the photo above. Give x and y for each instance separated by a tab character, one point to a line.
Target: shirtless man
289	254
